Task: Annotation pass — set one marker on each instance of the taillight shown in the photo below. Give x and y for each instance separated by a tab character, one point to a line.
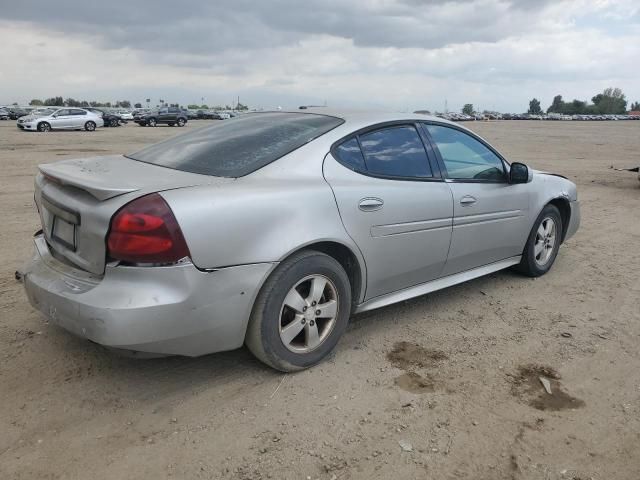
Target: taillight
146	231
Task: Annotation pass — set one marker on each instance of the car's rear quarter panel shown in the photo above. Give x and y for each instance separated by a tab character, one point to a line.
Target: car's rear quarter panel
264	216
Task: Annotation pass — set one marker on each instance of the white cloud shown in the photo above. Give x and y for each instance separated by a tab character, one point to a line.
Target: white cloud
394	54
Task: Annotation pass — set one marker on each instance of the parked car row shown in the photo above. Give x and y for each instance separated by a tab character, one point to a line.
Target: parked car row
45	119
461	117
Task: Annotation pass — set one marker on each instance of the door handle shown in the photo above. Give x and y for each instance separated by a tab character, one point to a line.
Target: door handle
467	201
370	204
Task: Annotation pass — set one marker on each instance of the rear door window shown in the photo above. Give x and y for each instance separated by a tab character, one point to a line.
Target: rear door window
396	151
238	146
350	155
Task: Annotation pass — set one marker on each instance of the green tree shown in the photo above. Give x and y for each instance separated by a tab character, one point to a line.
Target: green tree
241	107
54	102
557	105
610	101
193	106
468	109
71	102
534	107
138	105
204	107
635	107
36	102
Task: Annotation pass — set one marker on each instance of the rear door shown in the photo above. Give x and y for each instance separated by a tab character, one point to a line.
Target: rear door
78	117
489	220
394	205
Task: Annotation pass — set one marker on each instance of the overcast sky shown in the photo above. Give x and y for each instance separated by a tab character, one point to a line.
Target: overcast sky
392	54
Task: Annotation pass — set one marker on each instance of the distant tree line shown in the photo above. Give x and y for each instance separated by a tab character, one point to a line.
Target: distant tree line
72	102
239	106
610	102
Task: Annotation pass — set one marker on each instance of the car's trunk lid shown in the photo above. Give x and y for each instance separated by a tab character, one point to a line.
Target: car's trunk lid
77	198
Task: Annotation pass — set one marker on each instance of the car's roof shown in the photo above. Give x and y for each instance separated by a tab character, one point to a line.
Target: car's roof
368	116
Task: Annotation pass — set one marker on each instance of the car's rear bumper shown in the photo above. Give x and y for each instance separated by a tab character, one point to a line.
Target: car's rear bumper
574	221
174	310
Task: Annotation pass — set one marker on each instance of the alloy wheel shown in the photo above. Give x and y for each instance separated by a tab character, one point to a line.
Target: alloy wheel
546	238
308	314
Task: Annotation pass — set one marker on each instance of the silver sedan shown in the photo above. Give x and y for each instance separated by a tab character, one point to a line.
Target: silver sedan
47	119
272	229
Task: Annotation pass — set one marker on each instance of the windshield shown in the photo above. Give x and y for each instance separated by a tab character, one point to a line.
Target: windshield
238	146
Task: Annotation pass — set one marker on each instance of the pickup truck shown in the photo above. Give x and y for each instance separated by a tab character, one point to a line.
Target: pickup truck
167	115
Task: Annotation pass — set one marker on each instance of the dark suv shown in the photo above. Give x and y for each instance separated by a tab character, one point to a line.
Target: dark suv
168	115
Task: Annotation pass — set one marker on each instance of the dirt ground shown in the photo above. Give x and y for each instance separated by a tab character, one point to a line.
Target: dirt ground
443	386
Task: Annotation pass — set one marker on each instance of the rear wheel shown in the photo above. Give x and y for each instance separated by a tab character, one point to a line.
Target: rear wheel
90	126
114	122
44	127
543	243
301	312
181	122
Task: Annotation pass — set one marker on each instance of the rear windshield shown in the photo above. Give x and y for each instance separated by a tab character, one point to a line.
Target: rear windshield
239	146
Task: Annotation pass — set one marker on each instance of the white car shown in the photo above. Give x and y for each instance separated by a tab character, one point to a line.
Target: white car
47	119
126	115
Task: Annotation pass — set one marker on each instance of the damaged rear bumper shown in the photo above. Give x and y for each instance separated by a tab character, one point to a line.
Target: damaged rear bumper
173	310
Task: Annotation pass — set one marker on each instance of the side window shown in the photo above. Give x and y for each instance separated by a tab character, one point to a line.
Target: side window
464	157
350	155
63	112
396	152
78	112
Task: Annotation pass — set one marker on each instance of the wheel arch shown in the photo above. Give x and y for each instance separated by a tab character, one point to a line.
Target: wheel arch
562	204
353	265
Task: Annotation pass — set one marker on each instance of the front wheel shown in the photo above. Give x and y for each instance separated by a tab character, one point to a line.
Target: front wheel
114	122
301	312
543	243
90	126
44	127
152	122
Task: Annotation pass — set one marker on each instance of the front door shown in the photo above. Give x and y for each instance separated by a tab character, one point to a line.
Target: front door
489	214
394	205
62	119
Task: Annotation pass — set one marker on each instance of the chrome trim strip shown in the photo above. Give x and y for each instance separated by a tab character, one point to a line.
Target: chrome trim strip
410	227
486	217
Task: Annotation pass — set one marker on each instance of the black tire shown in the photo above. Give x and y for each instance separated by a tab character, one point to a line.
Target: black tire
529	265
151	122
114	122
44	127
90	126
263	333
181	122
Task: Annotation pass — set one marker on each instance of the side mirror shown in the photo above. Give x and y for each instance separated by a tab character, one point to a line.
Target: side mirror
519	173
